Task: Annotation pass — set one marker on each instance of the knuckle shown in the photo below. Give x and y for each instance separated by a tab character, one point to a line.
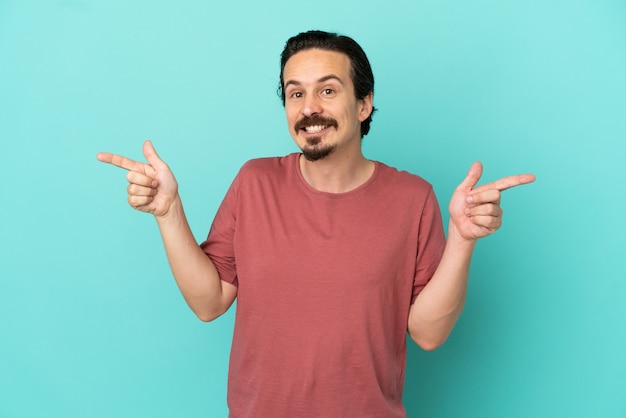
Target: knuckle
135	200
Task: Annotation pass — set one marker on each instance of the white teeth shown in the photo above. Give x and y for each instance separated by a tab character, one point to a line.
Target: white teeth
314	129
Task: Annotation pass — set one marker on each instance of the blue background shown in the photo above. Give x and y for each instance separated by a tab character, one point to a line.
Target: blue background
91	322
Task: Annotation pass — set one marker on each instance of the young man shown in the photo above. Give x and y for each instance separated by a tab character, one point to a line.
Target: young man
332	257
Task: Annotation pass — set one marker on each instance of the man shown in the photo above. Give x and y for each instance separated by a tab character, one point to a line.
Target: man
332	257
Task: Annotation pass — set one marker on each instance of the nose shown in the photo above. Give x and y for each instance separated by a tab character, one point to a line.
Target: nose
311	105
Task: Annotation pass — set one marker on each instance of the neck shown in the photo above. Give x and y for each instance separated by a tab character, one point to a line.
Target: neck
337	173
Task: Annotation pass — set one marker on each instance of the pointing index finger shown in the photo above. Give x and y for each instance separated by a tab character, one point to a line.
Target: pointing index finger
120	161
506	183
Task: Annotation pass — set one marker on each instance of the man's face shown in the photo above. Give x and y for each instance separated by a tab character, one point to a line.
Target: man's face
323	113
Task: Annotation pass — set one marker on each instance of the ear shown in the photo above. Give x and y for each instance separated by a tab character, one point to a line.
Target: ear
366	104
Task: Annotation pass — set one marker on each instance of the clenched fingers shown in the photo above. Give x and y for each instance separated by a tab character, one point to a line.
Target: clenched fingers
485	196
137	190
141	179
141	190
490	223
138	202
488	209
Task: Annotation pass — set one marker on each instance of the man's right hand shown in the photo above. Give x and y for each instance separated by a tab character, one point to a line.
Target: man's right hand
153	187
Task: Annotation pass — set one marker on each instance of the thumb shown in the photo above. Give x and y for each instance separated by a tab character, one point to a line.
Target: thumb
473	175
151	155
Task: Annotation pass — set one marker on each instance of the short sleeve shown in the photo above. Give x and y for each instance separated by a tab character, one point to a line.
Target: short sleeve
431	243
219	243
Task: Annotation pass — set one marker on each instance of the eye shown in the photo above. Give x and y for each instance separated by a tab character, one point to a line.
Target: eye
295	95
328	92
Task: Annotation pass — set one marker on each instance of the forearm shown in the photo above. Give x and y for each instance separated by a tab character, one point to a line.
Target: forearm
439	305
194	272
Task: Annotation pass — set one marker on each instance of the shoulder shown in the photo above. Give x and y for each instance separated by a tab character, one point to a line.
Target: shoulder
260	166
270	171
403	180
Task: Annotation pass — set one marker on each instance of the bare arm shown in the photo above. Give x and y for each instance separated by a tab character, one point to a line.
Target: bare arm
474	213
153	189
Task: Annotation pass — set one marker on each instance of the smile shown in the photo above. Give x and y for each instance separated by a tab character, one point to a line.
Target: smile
314	129
315	125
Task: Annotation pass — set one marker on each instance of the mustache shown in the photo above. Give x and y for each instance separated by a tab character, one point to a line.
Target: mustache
315	120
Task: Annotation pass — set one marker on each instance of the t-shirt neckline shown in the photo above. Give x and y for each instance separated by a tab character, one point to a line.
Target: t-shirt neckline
311	189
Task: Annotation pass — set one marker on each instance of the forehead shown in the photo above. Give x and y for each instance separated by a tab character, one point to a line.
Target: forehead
311	65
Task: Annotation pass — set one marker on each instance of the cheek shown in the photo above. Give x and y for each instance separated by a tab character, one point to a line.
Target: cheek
291	118
291	114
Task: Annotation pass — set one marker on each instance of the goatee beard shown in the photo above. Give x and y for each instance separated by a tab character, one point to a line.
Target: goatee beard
315	151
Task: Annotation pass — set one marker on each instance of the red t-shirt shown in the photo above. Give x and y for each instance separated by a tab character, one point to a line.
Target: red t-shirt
325	283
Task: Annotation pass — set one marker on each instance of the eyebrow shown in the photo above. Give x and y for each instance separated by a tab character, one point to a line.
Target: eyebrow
321	80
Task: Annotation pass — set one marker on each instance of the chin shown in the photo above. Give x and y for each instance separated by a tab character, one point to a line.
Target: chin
317	153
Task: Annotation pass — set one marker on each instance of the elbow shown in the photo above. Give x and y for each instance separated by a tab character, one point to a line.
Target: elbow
207	312
209	315
204	317
428	342
432	333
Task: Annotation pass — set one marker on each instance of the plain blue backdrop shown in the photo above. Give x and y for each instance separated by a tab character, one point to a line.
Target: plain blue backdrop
91	322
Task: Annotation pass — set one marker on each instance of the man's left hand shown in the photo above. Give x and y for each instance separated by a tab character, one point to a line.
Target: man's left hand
475	212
